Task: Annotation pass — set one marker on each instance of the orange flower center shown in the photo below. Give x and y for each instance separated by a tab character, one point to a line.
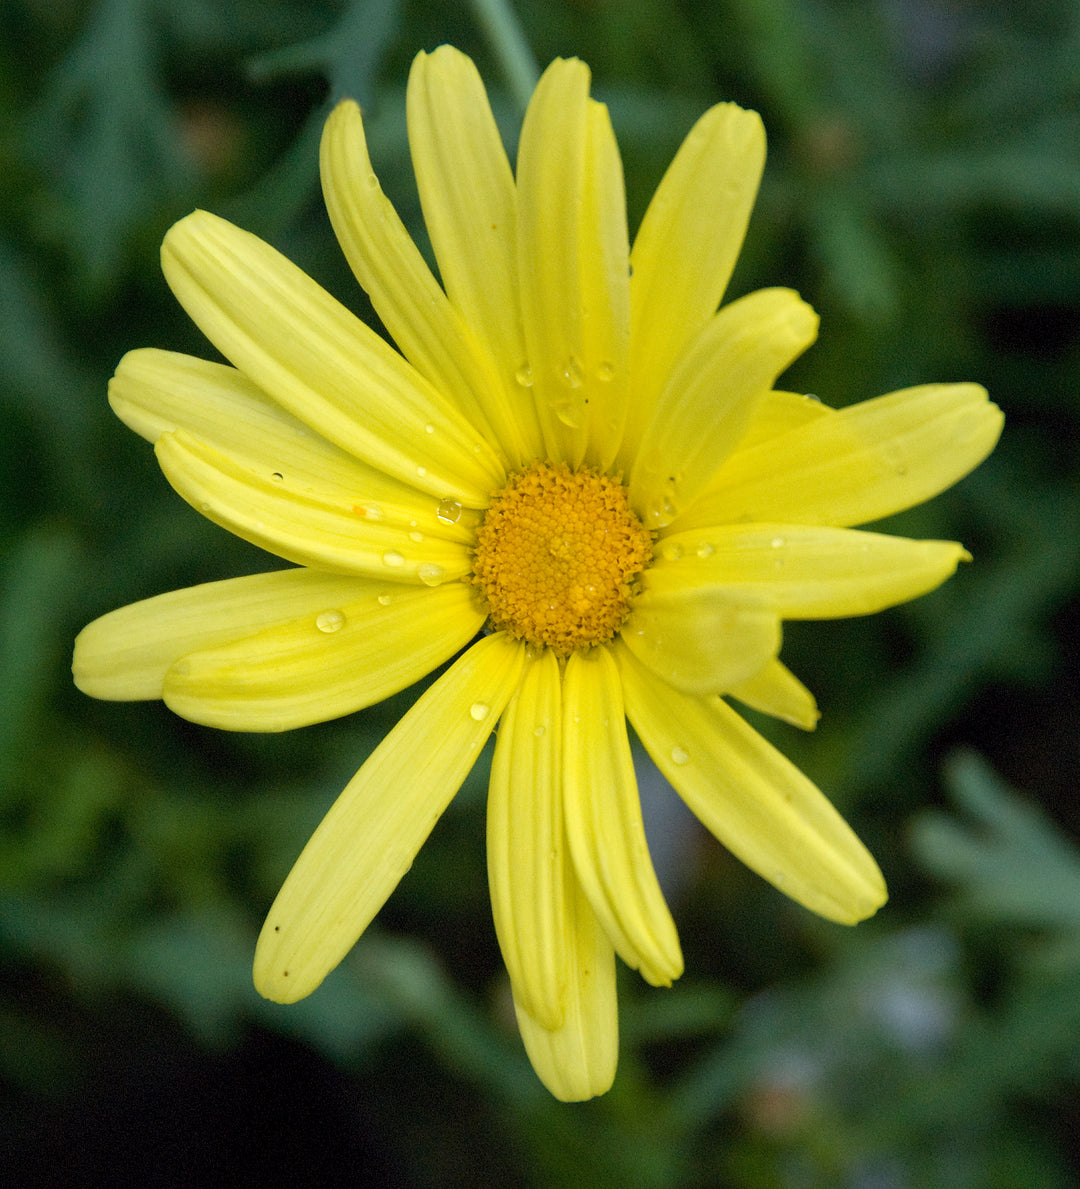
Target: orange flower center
556	557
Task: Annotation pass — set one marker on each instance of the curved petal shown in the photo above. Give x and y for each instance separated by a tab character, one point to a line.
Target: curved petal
686	248
321	363
800	572
702	640
864	462
603	821
526	843
470	207
316	525
577	1060
157	392
124	655
756	802
777	691
572	264
430	332
334	658
370	836
706	406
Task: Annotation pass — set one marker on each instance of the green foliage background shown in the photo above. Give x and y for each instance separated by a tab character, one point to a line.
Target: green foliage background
923	192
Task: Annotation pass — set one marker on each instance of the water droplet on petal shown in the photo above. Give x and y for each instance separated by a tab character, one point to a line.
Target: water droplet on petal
421	472
429	428
430	574
680	756
571	372
277	476
417	537
448	511
479	711
673	552
605	372
523	377
777	542
393	558
329	621
705	549
540	731
384	599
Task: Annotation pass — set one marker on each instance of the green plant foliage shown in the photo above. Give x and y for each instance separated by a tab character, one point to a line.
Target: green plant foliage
923	193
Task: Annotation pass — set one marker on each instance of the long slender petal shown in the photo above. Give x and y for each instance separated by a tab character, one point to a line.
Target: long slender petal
471	217
572	266
158	392
603	821
800	572
862	463
319	361
686	248
335	658
313	525
577	1060
756	802
526	843
430	331
368	839
706	406
124	656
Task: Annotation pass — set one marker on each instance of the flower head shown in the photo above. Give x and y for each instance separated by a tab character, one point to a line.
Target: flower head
578	471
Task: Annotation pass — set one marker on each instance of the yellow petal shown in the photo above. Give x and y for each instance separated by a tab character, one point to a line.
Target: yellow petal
372	833
800	572
334	658
526	844
603	821
777	691
706	406
577	1060
701	638
471	216
123	656
157	392
430	332
756	802
860	464
686	248
778	412
321	363
304	521
572	265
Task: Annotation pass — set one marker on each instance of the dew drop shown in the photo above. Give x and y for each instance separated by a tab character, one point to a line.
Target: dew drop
384	599
705	549
329	621
673	552
430	574
417	537
429	428
393	558
680	756
372	181
605	372
540	731
421	472
777	542
479	711
277	476
448	511
523	377
571	372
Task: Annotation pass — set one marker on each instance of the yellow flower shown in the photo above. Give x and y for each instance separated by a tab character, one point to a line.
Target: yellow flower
576	454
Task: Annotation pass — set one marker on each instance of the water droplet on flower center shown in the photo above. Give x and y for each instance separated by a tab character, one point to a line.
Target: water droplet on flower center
329	621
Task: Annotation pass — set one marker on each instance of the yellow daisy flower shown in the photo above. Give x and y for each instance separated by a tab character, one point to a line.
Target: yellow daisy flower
577	470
